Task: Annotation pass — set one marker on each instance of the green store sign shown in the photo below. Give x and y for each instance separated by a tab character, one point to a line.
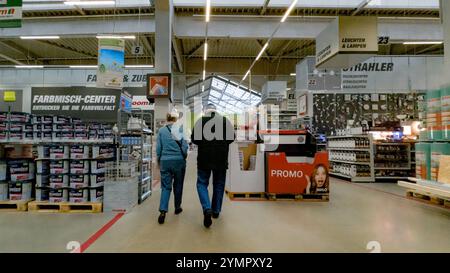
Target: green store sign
10	13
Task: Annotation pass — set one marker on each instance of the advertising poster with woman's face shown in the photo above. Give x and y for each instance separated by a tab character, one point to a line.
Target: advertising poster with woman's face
159	86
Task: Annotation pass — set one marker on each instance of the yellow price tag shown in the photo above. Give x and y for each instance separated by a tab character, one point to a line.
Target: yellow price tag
9	96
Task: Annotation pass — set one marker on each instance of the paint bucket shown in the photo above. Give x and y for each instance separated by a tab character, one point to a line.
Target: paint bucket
42	194
97	180
78	195
3	168
77	181
79	166
434	115
42	180
59	152
79	152
43	151
98	166
59	166
20	190
58	195
4	190
57	181
96	194
43	166
21	170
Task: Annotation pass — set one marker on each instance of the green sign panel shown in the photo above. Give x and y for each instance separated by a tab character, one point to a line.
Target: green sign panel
10	13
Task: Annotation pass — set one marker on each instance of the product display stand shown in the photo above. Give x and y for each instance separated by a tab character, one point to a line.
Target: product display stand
352	157
135	143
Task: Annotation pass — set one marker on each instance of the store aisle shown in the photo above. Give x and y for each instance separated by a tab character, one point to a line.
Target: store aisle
356	215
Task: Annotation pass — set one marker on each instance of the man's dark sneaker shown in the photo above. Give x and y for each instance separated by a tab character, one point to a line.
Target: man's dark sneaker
215	215
162	217
178	211
207	222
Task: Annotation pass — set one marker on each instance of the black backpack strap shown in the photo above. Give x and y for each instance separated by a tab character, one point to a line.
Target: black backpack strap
179	143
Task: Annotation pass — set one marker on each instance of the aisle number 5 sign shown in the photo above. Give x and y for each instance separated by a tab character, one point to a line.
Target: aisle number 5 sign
137	50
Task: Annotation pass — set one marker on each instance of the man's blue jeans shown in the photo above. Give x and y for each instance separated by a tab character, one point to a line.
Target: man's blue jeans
219	177
172	171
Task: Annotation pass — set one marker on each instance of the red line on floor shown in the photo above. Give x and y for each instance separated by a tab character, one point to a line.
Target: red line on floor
100	232
390	193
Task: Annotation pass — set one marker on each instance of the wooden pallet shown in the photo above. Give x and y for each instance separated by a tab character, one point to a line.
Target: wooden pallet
299	197
65	207
14	205
246	195
428	198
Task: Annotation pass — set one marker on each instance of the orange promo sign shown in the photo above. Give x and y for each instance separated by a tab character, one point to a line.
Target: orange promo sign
158	85
297	178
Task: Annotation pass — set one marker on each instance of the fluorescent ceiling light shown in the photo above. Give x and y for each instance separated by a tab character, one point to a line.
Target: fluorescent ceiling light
293	74
140	66
205	54
262	51
424	43
53	37
208	10
129	37
82	66
289	11
246	75
29	66
204	75
89	3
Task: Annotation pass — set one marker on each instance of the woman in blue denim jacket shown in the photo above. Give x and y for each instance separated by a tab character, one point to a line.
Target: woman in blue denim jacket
171	151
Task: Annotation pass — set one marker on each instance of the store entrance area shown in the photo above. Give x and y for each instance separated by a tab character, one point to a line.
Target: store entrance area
356	215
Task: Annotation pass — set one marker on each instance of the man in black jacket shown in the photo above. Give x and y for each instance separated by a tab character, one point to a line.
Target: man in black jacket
212	134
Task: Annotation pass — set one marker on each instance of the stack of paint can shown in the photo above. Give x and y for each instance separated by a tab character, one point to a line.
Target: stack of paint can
445	107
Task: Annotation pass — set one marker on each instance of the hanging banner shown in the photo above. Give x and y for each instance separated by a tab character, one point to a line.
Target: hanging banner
10	13
111	63
88	104
347	41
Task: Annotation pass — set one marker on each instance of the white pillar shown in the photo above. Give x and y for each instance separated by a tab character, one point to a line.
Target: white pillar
163	52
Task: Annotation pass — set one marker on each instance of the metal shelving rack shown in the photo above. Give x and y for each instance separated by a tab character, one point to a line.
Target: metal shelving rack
137	140
407	163
369	150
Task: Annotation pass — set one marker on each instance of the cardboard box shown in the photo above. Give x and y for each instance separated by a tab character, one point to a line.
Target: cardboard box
59	167
78	195
77	181
96	194
20	190
97	180
79	166
58	195
59	152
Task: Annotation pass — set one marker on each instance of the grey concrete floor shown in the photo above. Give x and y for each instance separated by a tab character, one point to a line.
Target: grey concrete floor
355	215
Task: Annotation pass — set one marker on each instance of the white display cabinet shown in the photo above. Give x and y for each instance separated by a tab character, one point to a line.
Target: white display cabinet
245	181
